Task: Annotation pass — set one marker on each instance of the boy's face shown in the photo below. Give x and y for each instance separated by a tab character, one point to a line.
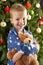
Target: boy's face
19	19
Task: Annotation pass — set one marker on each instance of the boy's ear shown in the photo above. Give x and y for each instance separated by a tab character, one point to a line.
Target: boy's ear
11	20
27	16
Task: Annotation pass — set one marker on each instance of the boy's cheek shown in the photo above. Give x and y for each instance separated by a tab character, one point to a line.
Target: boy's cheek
12	19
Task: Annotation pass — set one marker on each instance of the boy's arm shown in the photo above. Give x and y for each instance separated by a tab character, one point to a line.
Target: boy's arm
17	56
37	45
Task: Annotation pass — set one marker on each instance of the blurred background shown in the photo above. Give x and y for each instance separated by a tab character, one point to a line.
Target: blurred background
35	25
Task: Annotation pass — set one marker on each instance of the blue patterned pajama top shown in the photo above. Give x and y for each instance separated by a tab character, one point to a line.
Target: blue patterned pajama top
13	42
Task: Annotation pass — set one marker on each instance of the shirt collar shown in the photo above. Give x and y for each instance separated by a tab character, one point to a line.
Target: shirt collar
14	30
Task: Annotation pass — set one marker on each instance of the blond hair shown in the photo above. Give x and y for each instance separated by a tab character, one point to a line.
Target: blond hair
16	7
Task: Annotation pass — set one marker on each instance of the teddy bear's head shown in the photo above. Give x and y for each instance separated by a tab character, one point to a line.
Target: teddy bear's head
26	38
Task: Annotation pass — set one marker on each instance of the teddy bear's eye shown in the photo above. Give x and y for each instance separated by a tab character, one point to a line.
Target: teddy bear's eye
29	41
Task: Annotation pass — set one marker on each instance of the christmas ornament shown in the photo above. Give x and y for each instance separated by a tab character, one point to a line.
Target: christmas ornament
1	40
6	9
3	0
36	14
41	4
38	30
3	24
37	5
28	5
32	12
40	21
29	17
23	0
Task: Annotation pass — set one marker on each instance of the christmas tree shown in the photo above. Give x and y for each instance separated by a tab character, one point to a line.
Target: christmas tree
35	25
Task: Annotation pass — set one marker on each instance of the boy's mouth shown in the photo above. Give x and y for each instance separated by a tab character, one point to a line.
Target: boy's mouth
20	25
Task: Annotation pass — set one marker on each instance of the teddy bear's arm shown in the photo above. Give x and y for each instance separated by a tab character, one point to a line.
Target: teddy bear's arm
11	53
17	56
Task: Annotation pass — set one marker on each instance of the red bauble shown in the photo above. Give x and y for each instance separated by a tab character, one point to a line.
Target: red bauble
1	41
28	5
40	21
6	9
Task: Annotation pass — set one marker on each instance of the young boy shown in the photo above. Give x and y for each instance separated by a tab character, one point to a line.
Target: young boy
18	18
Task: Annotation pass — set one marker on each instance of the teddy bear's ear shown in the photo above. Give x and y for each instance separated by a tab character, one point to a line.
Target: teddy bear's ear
28	36
21	36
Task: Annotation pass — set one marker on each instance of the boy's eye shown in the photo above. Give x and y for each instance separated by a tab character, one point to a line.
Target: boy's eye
17	19
23	18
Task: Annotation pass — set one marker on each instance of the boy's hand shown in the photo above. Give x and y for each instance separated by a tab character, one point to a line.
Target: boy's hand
38	47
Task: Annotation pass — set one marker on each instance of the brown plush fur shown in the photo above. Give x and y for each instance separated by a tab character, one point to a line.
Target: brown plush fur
24	60
26	38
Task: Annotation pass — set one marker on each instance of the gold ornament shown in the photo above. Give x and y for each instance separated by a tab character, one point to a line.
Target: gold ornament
38	30
3	24
29	17
23	0
3	0
38	5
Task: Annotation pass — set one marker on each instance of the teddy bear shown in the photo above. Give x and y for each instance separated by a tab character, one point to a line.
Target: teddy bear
24	60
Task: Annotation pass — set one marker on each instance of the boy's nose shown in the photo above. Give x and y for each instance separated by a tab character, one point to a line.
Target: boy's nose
21	20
